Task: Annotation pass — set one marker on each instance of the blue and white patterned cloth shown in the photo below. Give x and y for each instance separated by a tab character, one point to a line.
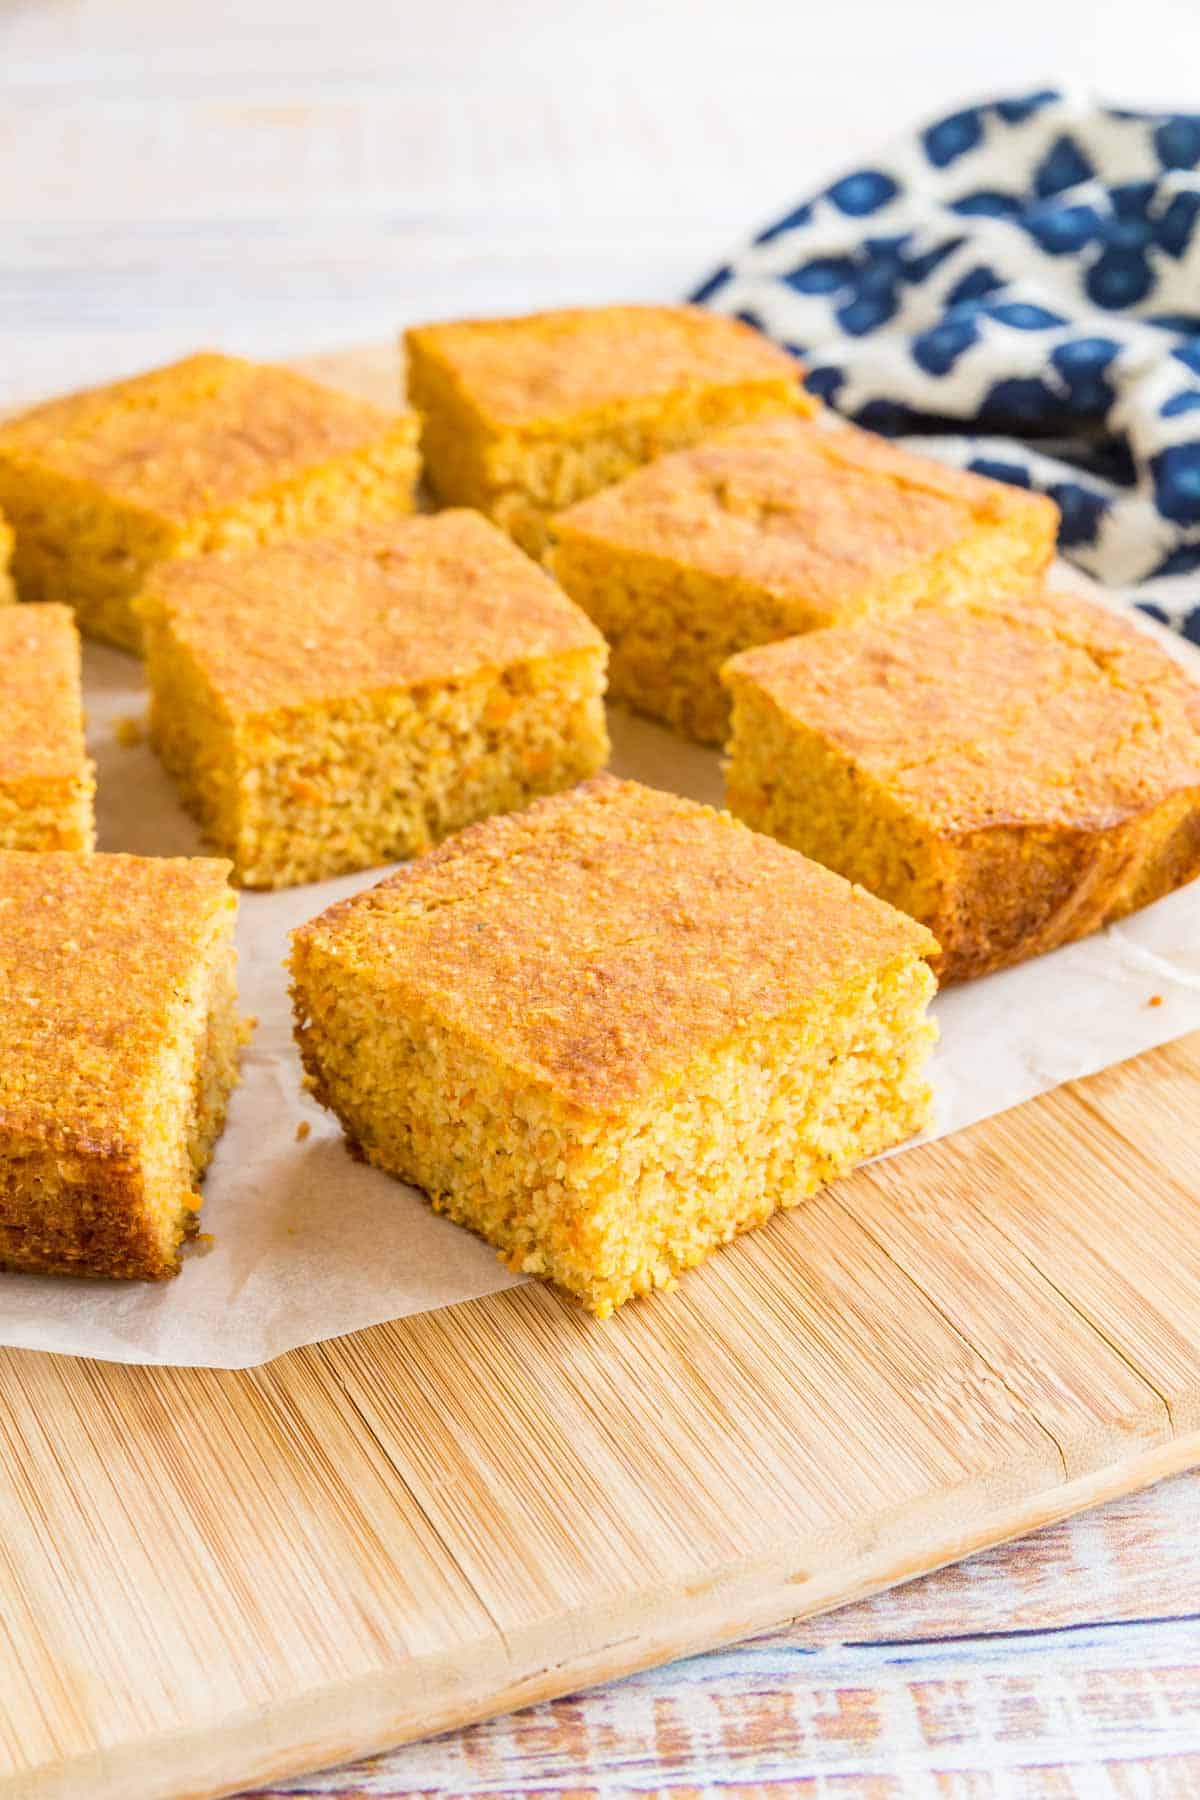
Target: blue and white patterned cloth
1029	269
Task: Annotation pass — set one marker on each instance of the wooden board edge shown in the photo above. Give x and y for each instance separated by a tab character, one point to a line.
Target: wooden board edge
351	1720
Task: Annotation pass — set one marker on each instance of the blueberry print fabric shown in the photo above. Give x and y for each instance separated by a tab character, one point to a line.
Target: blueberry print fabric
1017	288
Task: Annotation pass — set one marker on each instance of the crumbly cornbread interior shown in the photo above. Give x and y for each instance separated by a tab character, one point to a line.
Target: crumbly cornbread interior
343	702
1014	774
520	417
119	1041
614	1031
209	454
46	778
779	527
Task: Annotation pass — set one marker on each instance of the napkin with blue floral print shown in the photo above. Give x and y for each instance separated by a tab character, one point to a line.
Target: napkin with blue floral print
1016	287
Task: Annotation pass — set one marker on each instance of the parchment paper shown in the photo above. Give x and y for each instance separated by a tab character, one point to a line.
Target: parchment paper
309	1245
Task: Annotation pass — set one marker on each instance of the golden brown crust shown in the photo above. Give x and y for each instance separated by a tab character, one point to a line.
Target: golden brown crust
41	705
1042	710
194	438
597	941
545	370
46	777
426	600
1015	774
90	950
794	506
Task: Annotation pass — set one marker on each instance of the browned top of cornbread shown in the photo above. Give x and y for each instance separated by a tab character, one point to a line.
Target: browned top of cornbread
420	600
1043	709
92	952
41	712
604	937
557	366
197	436
795	507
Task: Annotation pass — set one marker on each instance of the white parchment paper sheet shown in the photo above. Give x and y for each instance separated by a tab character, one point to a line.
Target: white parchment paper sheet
309	1244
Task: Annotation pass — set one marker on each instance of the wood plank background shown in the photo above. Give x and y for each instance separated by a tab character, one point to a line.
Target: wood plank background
274	176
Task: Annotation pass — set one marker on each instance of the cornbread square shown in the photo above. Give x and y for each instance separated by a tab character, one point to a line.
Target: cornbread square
776	528
208	454
1013	775
8	592
119	1040
520	417
612	1032
335	703
46	779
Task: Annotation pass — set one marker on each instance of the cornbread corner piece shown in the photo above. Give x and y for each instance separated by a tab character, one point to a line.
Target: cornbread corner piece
207	454
614	1031
46	778
1013	775
8	592
522	416
779	527
119	1042
336	703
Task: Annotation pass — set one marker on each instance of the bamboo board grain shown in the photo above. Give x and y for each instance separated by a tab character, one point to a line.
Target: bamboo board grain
210	1579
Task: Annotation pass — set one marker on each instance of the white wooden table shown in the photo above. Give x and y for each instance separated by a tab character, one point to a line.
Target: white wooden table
276	177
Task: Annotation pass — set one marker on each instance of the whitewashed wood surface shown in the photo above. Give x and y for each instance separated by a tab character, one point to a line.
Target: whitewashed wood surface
280	177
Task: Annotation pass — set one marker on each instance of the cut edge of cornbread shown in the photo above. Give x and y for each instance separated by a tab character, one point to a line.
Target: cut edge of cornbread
671	627
47	804
75	1203
48	813
612	1032
992	896
609	1208
521	475
80	544
299	794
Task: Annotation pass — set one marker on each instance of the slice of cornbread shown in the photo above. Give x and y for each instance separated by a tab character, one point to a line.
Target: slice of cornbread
46	779
207	454
8	592
779	527
119	1039
520	417
614	1031
1014	775
335	703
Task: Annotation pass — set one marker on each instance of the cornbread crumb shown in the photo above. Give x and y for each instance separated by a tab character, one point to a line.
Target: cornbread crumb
302	1130
119	1042
341	702
780	527
209	454
521	417
130	731
46	779
1015	775
614	1031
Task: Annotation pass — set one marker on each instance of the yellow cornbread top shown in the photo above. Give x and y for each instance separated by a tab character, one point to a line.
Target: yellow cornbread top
94	951
379	608
796	507
1046	709
195	437
600	940
562	368
41	713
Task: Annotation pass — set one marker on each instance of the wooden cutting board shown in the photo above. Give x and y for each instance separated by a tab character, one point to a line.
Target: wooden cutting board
213	1579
